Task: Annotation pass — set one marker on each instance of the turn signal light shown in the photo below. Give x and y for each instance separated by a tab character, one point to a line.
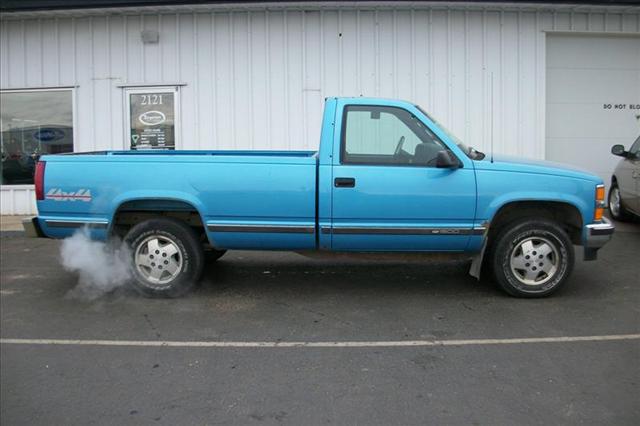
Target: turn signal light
598	215
599	203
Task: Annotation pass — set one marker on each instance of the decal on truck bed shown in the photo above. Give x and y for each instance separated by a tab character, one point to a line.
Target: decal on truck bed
57	194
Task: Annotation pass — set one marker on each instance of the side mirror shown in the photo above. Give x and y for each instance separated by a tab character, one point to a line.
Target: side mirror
619	150
446	160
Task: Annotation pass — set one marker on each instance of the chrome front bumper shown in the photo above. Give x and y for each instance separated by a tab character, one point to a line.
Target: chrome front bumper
597	235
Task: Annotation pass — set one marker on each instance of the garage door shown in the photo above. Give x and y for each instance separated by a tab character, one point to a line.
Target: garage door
593	99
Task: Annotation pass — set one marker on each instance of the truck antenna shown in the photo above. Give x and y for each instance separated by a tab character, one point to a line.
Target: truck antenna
491	116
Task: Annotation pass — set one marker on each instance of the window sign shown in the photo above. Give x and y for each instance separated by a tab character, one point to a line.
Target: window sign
152	118
33	123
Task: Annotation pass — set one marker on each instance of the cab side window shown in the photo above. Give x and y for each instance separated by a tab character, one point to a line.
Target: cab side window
387	136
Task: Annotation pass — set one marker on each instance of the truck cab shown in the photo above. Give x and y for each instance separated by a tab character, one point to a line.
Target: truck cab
386	176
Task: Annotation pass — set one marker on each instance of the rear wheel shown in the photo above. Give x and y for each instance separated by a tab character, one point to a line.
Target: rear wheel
532	258
167	258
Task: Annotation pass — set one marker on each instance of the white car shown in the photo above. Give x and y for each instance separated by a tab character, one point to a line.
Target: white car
624	195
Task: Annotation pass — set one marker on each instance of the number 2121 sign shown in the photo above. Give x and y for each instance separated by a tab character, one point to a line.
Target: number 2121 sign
152	120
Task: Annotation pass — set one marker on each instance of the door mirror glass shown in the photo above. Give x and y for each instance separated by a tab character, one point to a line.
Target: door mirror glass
618	150
446	160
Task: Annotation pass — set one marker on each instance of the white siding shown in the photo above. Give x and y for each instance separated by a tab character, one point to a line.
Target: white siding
257	79
18	200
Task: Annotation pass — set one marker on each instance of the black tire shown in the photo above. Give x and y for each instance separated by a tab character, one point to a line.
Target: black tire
618	212
521	243
176	248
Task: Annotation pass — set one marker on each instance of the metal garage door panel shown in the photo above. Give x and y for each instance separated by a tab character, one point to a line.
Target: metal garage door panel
574	81
594	153
581	51
583	121
584	74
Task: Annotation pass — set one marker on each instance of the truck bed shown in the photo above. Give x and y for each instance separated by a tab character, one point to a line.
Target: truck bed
233	192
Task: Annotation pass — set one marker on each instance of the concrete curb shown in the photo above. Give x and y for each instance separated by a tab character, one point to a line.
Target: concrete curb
12	223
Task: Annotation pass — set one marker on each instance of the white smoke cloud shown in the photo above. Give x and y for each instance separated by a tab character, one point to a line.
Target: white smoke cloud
101	267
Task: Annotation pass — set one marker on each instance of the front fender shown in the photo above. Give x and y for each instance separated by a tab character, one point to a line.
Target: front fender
498	188
491	208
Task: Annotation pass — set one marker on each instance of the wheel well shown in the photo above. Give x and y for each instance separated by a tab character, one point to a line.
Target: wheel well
567	215
133	212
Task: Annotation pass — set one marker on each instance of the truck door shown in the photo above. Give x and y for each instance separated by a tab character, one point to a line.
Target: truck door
388	194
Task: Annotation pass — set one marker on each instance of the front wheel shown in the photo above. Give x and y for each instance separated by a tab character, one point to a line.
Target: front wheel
617	210
532	258
167	258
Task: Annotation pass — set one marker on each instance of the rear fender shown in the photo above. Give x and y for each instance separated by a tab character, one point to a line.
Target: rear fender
160	197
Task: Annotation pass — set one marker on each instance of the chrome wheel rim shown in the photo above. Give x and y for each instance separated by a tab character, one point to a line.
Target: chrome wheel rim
614	202
158	259
534	261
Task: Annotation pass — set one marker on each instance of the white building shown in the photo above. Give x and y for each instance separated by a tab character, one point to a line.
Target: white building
542	79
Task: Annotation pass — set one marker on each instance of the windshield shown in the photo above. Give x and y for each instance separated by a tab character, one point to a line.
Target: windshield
470	151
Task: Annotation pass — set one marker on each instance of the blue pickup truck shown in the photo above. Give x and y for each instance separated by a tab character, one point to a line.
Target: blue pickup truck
388	178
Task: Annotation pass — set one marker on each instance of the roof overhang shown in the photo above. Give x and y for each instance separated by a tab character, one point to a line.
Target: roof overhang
32	9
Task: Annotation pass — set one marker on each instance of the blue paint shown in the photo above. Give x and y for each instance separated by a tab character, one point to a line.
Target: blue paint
276	188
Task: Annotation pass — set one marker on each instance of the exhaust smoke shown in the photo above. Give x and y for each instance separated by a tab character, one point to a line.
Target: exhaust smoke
101	267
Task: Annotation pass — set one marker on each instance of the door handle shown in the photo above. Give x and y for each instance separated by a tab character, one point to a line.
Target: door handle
343	182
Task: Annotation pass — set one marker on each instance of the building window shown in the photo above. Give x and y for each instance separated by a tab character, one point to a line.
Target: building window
33	123
152	117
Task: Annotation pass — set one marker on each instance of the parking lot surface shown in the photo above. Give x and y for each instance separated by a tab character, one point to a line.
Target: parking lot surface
278	298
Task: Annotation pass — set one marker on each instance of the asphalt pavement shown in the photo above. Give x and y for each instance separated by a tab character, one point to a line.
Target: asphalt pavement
471	362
